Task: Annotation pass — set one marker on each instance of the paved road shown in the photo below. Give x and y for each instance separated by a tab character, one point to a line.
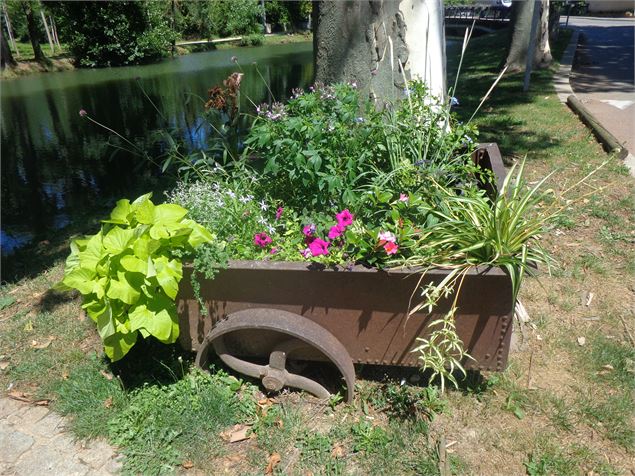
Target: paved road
603	75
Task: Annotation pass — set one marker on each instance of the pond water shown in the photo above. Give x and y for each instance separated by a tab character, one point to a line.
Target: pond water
56	163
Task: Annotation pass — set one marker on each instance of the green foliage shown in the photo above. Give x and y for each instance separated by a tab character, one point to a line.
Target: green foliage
255	39
443	351
90	398
236	17
164	425
128	273
368	437
113	33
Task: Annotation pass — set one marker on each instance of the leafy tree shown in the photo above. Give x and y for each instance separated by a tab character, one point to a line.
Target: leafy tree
236	17
113	33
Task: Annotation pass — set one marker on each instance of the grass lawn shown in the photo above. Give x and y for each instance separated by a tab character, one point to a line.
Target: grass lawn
564	406
26	51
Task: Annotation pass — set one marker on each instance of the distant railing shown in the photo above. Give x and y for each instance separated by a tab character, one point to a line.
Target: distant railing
479	13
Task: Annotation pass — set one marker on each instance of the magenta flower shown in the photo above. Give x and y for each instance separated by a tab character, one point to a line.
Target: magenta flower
262	240
319	247
335	232
82	112
403	197
273	251
305	252
391	248
344	218
308	230
279	213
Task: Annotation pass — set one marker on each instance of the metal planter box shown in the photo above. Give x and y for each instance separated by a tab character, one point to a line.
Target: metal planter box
276	310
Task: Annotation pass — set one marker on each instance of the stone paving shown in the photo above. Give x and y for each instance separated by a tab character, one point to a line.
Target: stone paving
33	441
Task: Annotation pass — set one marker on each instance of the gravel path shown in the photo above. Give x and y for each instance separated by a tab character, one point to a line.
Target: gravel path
33	442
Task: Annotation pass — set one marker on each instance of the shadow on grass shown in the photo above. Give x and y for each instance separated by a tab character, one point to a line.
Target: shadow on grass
496	120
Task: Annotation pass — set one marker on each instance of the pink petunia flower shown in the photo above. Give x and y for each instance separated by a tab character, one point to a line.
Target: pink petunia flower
273	251
306	252
403	197
308	230
319	247
279	213
335	232
344	218
386	236
391	248
262	240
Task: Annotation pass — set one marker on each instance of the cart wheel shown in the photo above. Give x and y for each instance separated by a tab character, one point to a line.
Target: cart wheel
296	334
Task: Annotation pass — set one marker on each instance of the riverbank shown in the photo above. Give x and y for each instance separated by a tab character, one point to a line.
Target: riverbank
27	66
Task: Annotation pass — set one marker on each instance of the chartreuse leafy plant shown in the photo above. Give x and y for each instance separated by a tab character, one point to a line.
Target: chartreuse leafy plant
128	273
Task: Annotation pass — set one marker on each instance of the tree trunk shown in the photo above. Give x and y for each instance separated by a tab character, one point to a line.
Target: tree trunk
543	56
6	57
33	33
376	43
520	32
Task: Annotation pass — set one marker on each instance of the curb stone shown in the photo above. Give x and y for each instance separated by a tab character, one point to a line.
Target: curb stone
34	441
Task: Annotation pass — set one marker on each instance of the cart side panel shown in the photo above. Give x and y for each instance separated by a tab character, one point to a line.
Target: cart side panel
366	311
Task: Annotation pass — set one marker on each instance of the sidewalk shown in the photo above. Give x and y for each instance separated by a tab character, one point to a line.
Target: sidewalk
33	442
603	74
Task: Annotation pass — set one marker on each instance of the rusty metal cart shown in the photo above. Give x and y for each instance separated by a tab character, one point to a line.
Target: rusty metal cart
292	310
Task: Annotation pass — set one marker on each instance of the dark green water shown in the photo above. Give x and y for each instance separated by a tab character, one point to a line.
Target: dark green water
56	164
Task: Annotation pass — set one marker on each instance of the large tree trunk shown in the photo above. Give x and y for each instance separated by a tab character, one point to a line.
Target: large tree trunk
33	32
370	42
543	56
6	57
520	33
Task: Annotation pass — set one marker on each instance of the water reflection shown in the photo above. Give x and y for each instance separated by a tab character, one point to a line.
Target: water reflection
55	163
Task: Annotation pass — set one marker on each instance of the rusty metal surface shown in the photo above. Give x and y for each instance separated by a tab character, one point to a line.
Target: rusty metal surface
289	335
364	309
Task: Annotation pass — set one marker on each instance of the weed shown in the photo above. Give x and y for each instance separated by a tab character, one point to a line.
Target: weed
90	396
550	458
163	425
368	437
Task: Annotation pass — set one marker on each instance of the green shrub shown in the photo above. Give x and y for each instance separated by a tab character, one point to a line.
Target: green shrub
113	33
254	39
128	273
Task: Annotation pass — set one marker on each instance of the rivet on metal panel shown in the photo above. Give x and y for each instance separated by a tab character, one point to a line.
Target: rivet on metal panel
366	349
487	356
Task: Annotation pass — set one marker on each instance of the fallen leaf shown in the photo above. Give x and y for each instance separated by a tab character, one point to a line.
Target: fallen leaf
82	316
108	402
581	341
187	464
274	460
279	423
43	344
608	367
337	451
236	433
65	375
42	403
106	375
4	364
28	327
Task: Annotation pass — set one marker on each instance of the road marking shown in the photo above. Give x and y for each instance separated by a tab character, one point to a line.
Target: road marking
618	104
